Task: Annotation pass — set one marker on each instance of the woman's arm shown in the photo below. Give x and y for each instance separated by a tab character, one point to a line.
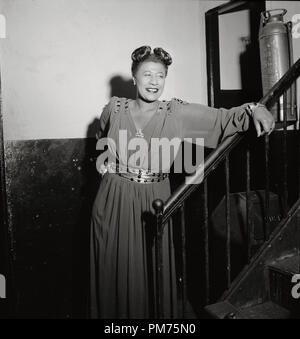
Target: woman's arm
215	125
104	119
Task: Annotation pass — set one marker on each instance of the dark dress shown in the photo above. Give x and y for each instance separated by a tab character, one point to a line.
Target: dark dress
123	218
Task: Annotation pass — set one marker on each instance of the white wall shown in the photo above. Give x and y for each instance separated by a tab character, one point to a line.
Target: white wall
59	56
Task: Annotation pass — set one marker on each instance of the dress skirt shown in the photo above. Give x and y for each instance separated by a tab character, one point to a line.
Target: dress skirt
122	251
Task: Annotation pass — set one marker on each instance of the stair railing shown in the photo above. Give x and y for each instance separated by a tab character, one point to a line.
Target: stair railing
166	210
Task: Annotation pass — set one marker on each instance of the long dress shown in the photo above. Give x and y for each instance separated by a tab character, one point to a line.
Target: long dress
122	232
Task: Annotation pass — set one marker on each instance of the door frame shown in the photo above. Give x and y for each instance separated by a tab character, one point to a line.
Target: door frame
214	91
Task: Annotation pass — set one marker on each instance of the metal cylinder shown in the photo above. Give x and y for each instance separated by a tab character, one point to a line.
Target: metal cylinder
276	57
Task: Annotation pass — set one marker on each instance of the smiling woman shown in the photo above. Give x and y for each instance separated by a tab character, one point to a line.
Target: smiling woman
149	79
123	221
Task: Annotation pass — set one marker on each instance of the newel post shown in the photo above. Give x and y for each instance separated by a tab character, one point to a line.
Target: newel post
158	206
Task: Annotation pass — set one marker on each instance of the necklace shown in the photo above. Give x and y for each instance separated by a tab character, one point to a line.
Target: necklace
139	133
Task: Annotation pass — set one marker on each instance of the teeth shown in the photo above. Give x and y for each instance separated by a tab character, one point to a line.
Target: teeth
154	90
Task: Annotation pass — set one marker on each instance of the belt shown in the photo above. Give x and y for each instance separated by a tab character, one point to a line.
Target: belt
141	176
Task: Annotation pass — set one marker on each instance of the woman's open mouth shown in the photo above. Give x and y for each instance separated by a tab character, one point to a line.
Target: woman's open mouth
152	90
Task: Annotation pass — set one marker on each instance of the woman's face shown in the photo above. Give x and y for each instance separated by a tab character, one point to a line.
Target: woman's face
150	80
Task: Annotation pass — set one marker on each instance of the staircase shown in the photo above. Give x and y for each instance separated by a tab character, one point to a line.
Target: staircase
263	288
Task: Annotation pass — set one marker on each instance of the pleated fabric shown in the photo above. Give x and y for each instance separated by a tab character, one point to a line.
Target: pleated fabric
123	230
122	251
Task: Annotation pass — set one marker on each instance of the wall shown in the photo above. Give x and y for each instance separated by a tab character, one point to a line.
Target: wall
59	57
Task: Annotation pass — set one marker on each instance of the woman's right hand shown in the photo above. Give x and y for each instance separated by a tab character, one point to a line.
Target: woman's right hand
263	119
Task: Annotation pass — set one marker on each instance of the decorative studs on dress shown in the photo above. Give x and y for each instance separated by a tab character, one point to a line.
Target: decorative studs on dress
126	105
169	108
180	101
118	104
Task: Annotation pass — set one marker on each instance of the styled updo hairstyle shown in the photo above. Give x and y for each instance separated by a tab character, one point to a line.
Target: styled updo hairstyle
144	53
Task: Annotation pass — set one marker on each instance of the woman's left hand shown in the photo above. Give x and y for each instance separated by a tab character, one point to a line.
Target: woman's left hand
263	120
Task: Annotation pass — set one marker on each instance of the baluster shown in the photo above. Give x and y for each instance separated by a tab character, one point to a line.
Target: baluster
297	124
183	258
248	189
228	226
267	190
206	244
298	216
293	89
285	158
158	206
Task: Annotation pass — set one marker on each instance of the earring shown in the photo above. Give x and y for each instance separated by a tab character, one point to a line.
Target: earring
133	82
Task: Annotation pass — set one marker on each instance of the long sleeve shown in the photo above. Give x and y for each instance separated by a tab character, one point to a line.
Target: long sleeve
105	118
214	125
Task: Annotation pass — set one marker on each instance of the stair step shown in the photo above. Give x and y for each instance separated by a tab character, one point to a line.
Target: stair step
289	264
223	310
267	310
280	284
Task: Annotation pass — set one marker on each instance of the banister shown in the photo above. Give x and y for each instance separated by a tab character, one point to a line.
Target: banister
214	159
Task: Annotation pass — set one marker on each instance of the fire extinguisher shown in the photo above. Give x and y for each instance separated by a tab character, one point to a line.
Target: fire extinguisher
276	57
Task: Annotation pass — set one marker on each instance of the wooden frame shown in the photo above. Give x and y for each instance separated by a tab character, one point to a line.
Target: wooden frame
218	97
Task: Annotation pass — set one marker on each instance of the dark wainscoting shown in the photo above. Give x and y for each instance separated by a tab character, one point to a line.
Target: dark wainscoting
51	185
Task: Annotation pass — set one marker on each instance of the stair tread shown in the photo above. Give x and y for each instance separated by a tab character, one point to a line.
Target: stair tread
223	310
288	264
267	310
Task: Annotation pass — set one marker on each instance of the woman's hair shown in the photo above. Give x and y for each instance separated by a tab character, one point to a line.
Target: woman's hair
144	53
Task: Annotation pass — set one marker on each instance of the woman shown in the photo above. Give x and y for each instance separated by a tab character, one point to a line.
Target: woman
122	217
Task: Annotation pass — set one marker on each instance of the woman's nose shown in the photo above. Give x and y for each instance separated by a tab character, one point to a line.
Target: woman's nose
153	80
